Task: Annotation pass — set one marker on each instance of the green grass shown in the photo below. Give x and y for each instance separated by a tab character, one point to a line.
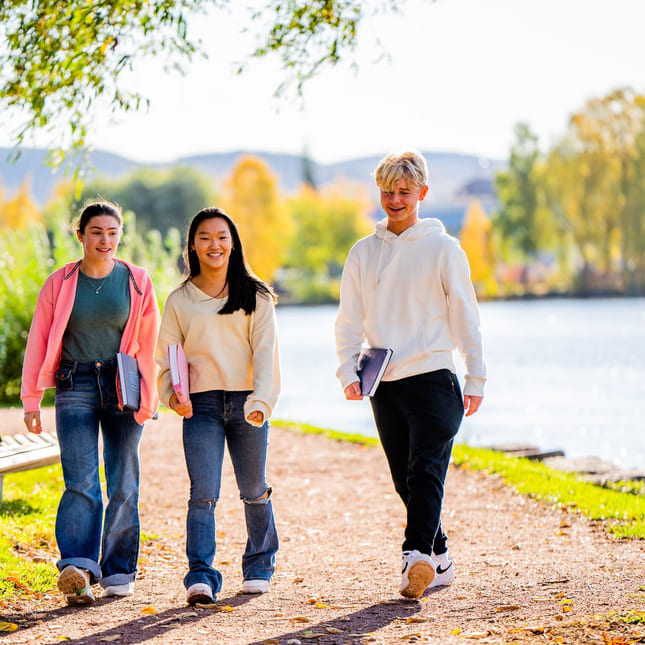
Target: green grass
27	516
27	520
622	511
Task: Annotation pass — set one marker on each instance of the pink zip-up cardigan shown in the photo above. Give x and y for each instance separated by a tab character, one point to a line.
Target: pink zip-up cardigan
45	342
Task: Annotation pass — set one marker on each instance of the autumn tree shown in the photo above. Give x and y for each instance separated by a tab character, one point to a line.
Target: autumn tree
18	211
251	199
591	186
476	240
60	57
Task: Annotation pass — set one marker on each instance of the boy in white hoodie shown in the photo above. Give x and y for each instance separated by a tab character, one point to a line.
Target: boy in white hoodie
407	287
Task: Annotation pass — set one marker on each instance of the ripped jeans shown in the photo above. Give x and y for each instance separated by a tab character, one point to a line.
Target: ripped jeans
218	418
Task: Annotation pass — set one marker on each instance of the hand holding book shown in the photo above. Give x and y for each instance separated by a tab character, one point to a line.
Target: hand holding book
372	362
179	377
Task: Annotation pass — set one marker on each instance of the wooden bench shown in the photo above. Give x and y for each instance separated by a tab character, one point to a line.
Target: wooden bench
26	451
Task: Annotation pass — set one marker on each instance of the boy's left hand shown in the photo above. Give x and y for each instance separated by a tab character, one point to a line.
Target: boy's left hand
472	403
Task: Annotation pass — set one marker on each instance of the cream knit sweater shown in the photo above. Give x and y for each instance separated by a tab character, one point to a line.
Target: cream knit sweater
230	352
411	293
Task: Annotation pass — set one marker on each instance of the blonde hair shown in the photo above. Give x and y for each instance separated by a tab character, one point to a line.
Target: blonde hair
410	165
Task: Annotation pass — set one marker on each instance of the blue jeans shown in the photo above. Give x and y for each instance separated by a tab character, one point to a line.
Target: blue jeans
86	399
218	419
417	419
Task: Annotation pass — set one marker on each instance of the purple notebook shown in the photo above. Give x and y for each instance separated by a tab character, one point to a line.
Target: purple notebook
129	385
372	362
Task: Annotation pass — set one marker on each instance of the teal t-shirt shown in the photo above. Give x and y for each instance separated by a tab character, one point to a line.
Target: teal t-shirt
100	313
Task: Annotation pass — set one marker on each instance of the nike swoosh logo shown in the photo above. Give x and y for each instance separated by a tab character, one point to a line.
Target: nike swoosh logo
440	570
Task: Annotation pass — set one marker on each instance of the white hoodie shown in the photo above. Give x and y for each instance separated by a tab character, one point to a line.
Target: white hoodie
411	293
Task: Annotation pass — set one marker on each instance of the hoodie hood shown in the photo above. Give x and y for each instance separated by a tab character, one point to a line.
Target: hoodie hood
423	228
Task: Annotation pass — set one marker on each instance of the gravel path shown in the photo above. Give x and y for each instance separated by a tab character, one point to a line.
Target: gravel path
526	572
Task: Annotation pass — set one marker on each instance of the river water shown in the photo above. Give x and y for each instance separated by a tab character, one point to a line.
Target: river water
567	374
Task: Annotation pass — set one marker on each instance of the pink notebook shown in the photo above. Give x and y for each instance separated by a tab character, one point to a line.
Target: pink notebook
179	372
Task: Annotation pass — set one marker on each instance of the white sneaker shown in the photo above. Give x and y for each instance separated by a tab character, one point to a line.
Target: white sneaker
201	593
75	584
119	591
444	572
255	586
417	573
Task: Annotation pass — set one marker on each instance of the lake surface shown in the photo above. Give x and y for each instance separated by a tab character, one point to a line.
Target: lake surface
566	374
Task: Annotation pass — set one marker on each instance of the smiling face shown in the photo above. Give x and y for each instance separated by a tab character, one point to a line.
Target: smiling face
100	238
213	244
401	204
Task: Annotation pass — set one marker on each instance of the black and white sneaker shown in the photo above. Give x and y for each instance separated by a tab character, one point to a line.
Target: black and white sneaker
444	571
417	573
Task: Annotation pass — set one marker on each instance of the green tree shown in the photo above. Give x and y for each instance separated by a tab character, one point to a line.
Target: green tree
162	199
518	191
325	226
59	56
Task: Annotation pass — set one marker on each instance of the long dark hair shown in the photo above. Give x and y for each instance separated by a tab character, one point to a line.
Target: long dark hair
243	284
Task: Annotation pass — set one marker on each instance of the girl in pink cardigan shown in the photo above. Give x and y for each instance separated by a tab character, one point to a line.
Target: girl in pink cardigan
86	312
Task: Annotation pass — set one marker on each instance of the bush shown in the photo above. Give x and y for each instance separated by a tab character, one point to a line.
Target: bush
25	261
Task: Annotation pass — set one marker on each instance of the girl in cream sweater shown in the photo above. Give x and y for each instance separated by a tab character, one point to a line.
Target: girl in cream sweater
224	318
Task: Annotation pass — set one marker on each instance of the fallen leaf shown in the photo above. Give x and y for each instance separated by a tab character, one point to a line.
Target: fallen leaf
226	608
300	619
333	630
296	580
321	605
413	619
271	641
312	635
110	639
535	630
8	627
149	610
508	607
455	631
206	605
475	635
409	636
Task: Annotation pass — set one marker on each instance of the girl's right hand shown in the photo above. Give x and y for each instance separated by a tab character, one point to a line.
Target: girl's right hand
182	409
32	421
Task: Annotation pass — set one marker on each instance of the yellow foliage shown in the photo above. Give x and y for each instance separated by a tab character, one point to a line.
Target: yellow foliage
16	213
476	241
264	225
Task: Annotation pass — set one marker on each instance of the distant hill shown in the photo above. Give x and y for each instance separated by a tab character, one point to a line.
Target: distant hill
453	177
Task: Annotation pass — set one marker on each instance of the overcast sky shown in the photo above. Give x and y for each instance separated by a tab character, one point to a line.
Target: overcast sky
460	74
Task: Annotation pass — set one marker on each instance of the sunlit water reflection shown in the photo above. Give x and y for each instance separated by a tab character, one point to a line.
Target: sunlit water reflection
566	374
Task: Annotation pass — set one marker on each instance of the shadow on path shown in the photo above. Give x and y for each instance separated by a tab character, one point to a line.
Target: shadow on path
364	621
138	630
